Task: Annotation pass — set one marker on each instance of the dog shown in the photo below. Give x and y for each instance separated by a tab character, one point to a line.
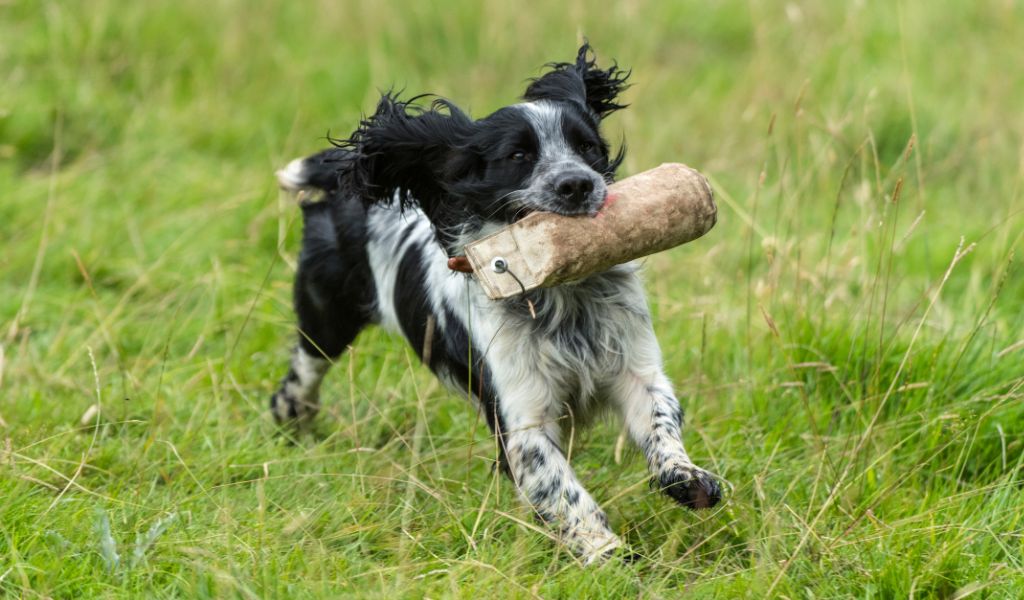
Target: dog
411	186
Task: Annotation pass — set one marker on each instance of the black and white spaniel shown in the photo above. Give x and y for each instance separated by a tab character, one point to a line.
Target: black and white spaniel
410	187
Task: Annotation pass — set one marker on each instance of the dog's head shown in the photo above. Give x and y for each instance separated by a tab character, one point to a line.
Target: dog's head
545	154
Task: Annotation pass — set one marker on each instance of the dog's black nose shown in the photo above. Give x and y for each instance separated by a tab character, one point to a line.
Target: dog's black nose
574	188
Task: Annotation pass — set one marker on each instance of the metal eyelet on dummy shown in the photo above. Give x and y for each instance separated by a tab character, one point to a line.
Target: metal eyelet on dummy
500	265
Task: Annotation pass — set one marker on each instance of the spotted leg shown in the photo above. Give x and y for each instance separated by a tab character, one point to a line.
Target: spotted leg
298	399
546	480
332	294
654	421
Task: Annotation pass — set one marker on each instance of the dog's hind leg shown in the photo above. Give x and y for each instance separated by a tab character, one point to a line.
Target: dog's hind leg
333	298
297	400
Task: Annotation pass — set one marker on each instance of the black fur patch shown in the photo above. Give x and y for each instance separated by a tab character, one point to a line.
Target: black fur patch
334	288
451	351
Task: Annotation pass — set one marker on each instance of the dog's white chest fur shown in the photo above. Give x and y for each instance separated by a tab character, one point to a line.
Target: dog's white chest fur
583	334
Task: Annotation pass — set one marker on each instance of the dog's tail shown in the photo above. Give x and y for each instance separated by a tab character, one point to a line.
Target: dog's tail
322	171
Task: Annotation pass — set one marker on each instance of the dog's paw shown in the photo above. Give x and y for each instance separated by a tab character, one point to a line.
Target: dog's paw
598	549
690	486
291	413
615	553
627	556
279	407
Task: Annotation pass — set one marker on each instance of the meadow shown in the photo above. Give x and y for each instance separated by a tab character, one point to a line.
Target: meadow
848	342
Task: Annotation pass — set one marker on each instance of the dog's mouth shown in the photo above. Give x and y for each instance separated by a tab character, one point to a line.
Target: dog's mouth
591	208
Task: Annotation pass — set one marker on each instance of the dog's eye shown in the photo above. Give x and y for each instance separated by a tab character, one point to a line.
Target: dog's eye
585	147
517	156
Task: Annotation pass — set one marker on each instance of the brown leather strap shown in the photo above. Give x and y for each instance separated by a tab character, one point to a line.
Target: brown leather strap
460	264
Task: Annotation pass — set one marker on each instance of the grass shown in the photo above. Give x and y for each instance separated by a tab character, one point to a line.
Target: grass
847	341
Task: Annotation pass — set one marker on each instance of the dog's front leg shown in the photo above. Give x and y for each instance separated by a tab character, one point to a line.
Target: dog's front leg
547	482
654	420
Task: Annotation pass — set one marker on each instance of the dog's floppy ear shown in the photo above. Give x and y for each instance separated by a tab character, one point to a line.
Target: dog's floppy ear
581	82
402	151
